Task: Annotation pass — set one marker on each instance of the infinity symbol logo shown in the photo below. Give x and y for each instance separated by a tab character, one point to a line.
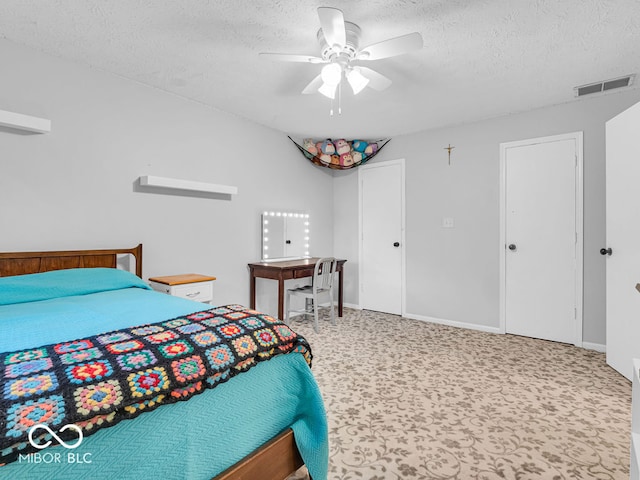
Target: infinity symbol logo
60	441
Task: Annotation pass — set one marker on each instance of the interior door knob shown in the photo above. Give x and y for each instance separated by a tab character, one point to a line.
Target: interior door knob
606	251
512	247
396	244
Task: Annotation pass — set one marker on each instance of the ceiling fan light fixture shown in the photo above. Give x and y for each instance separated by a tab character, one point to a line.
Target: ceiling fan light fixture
356	80
328	90
339	42
332	74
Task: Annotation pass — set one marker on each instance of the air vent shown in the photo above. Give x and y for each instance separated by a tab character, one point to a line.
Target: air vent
604	86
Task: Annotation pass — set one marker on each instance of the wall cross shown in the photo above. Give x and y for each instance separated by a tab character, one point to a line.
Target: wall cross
449	148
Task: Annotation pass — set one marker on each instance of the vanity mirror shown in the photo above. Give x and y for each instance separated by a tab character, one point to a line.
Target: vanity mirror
285	236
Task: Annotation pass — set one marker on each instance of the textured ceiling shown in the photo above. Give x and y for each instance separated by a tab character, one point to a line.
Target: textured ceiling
482	58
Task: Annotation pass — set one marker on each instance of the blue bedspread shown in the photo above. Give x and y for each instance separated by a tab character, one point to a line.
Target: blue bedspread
181	440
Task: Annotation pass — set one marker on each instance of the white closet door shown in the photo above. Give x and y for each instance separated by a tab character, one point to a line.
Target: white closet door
381	202
541	241
623	237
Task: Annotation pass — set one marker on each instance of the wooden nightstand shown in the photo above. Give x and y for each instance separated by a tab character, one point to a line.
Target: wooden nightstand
190	285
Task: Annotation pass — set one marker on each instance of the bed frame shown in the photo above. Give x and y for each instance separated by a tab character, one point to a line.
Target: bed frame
276	459
22	263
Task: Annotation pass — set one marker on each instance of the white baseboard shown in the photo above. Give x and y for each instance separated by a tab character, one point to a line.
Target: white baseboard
598	347
472	326
453	323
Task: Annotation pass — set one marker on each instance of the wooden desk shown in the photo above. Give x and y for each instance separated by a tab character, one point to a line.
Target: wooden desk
287	270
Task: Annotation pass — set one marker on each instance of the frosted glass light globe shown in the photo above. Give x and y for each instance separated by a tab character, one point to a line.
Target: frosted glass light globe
331	74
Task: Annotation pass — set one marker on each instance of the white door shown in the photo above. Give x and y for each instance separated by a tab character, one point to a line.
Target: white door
623	237
382	236
541	232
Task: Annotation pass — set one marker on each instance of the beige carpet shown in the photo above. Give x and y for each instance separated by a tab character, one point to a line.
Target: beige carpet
408	399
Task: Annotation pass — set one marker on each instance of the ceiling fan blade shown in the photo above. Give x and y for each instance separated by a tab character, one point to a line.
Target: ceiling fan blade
313	85
392	47
332	24
377	81
287	57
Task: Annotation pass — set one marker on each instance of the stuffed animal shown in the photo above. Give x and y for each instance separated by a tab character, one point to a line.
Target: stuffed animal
335	159
309	146
328	147
371	149
342	146
346	160
357	157
324	158
359	145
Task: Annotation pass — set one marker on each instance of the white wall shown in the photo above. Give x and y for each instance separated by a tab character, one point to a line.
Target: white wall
452	274
75	188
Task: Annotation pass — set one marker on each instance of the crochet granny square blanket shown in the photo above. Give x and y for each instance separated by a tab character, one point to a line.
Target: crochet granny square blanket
98	381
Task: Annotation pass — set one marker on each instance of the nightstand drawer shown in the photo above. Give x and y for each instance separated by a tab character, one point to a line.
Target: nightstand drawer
190	285
200	292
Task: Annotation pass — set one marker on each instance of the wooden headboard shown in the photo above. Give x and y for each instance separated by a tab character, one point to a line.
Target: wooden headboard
21	263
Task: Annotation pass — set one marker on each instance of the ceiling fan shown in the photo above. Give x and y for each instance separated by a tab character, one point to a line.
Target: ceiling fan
341	53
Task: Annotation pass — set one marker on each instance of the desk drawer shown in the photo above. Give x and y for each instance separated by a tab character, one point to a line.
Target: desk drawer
303	272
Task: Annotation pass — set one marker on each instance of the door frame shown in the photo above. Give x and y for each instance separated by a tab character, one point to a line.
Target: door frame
403	263
578	139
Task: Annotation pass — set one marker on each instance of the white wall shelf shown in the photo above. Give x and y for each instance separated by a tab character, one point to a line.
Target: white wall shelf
24	122
177	184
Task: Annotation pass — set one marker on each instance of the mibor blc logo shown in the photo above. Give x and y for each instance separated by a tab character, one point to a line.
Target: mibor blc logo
53	434
55	457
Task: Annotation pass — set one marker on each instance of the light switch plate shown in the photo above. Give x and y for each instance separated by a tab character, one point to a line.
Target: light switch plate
447	222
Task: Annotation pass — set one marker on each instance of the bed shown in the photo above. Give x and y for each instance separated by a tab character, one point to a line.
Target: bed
263	420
